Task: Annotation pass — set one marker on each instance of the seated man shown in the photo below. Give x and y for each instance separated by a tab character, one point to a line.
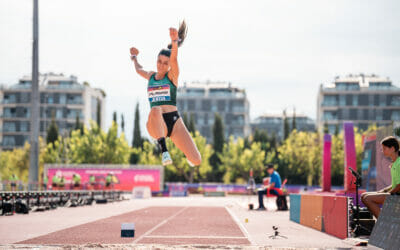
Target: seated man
274	183
373	200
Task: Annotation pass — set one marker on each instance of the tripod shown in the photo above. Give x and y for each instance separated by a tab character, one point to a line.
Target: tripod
276	234
357	231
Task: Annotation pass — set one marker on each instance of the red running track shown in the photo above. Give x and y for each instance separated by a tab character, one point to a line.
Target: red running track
155	225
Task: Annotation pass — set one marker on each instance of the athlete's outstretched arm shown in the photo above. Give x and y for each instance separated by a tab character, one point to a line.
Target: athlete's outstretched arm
173	59
139	69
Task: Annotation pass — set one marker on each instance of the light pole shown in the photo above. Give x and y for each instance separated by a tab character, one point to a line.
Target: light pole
34	154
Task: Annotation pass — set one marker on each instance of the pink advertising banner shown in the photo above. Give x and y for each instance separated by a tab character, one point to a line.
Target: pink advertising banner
125	179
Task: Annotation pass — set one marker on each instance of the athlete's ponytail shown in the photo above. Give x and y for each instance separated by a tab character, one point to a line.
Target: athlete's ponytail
182	32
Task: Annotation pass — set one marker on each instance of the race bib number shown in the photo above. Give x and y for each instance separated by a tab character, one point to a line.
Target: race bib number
159	93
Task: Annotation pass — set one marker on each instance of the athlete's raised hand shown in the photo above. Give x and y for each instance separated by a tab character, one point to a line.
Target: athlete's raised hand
173	33
134	51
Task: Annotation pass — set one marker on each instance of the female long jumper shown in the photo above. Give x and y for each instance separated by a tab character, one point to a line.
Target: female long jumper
164	120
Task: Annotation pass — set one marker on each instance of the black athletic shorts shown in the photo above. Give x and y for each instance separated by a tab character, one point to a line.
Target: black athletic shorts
170	118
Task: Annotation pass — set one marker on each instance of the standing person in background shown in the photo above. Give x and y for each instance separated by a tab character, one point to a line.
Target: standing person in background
373	200
55	181
76	180
109	180
45	181
274	182
13	182
62	183
92	181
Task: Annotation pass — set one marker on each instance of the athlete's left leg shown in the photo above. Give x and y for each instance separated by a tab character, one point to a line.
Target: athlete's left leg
180	136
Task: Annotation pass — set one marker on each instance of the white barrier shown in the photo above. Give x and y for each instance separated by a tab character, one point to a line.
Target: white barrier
141	193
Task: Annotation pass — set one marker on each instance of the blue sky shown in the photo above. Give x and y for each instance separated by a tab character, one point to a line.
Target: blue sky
279	51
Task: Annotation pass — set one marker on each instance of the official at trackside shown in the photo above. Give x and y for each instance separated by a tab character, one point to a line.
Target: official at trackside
275	182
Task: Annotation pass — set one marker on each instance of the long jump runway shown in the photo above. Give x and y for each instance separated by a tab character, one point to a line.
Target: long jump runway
155	225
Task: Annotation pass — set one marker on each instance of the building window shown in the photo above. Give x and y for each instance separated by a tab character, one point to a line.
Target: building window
50	99
379	115
25	97
395	100
360	114
59	113
195	92
349	100
24	126
10	98
376	100
221	105
382	100
353	114
220	92
347	86
206	105
330	100
386	114
191	105
365	117
395	115
372	114
9	112
342	100
9	127
363	100
9	141
200	120
355	100
73	113
329	115
63	99
180	104
74	99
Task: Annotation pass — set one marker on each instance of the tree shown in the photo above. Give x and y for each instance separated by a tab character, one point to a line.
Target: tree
294	119
237	160
15	162
137	140
180	169
326	129
299	158
285	126
147	154
336	130
115	116
52	132
98	113
185	120
192	124
97	146
218	134
218	146
122	123
267	144
78	124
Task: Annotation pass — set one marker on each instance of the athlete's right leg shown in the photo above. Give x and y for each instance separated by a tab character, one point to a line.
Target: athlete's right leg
155	124
158	130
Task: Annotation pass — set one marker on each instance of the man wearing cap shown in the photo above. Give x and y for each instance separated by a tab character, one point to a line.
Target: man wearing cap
274	183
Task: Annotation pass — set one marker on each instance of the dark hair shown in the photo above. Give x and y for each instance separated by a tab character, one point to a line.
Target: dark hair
391	141
182	31
269	166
